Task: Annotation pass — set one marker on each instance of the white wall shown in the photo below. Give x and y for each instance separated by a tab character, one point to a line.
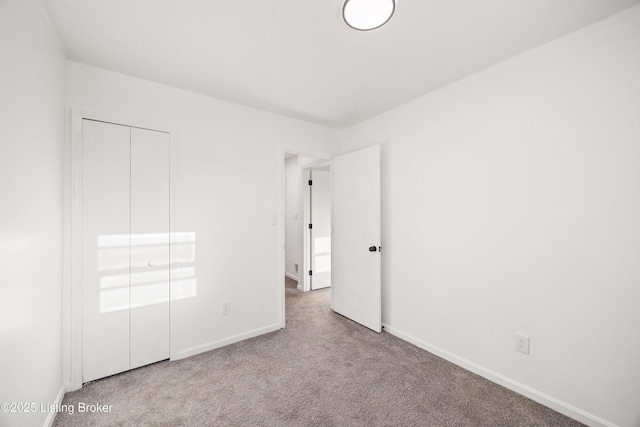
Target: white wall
511	202
292	201
31	191
229	186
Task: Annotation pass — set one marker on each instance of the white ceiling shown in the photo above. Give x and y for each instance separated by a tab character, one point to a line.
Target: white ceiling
297	57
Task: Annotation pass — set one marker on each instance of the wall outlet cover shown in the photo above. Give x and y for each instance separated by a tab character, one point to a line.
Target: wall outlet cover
226	308
522	343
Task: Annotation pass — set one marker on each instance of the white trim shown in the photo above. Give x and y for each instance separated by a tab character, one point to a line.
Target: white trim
48	422
72	289
291	276
281	235
74	297
309	152
226	341
535	395
319	164
332	222
66	261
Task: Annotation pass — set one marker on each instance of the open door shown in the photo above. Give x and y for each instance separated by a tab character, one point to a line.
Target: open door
320	232
356	237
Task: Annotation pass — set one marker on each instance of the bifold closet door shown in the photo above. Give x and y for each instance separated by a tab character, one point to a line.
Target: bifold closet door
149	246
125	261
105	249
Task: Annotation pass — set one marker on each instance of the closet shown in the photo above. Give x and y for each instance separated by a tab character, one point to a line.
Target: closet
125	248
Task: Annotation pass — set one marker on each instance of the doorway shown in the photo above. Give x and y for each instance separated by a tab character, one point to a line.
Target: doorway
317	210
307	245
354	237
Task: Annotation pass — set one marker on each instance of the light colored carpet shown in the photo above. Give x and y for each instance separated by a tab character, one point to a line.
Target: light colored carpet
321	370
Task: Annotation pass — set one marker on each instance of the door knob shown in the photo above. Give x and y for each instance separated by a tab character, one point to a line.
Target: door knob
372	248
151	264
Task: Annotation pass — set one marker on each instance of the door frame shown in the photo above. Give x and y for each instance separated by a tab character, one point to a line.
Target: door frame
322	156
72	242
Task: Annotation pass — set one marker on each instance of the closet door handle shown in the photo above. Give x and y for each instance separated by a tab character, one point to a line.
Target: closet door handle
151	264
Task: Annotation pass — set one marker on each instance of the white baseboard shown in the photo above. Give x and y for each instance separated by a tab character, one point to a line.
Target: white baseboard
535	395
226	341
52	415
291	276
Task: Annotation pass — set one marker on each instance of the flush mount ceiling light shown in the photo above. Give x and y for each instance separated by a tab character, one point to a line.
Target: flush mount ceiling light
365	15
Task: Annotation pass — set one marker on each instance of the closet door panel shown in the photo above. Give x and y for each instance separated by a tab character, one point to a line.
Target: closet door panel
149	246
105	249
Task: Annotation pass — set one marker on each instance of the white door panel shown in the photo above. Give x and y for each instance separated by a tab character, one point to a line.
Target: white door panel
105	249
356	283
149	246
321	231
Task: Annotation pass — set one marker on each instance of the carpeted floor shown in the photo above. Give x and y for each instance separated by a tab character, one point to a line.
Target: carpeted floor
321	370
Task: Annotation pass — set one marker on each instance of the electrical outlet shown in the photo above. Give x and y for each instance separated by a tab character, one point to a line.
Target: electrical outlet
226	308
522	343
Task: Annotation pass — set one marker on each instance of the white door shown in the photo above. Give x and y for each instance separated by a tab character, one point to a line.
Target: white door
149	247
321	228
356	242
105	249
125	254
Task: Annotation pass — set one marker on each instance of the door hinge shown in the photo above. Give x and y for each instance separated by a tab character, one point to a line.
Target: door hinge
310	226
310	182
310	273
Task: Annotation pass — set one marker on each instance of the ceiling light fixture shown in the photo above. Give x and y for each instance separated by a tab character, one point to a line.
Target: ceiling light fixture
365	15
